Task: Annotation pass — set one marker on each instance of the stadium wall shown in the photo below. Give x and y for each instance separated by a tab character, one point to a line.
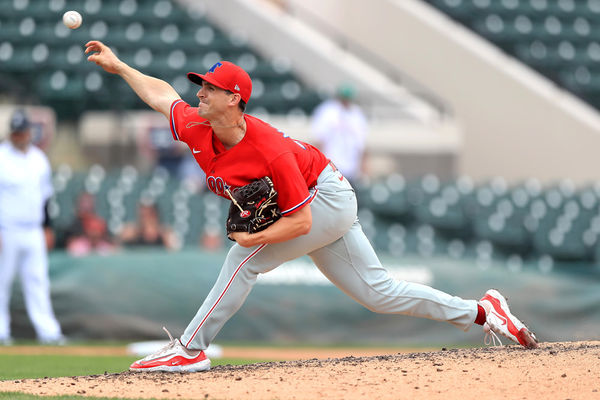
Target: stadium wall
130	295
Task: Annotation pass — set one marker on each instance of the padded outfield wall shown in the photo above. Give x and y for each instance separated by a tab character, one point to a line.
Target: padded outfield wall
132	294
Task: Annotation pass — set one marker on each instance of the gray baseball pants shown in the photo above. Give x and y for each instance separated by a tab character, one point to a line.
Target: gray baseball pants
342	252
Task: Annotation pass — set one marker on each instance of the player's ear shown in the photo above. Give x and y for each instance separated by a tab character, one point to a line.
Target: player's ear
235	99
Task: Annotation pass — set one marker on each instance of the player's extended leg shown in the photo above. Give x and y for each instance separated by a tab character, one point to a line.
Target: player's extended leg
36	288
333	211
9	252
235	281
352	265
242	266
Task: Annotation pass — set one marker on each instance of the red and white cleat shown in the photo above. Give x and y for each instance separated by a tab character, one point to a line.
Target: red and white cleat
174	357
499	320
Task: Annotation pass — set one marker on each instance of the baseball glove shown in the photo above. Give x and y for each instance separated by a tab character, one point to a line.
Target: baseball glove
253	207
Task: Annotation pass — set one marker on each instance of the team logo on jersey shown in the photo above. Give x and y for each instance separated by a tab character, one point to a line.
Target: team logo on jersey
212	69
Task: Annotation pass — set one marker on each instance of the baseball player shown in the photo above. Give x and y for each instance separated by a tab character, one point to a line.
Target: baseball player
25	187
318	208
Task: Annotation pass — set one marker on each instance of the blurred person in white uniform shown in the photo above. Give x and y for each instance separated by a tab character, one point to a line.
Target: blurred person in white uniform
25	187
340	129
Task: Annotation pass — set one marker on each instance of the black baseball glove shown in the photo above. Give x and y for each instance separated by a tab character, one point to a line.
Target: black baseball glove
253	207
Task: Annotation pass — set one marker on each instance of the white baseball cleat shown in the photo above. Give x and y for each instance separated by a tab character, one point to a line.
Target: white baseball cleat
54	341
6	341
499	320
174	357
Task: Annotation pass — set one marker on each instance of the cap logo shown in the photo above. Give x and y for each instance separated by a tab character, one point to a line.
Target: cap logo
212	69
237	87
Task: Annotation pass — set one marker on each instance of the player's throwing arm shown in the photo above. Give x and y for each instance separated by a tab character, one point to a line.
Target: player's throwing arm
157	93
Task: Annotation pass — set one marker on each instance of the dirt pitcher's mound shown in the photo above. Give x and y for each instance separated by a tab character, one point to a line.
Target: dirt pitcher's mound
554	371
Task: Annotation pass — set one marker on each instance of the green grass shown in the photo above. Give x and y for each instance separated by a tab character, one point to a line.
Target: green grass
22	396
14	367
40	366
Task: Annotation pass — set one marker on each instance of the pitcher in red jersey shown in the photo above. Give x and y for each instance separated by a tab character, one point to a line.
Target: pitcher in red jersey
318	208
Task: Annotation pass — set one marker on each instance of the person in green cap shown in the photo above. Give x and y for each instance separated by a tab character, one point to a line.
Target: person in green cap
339	129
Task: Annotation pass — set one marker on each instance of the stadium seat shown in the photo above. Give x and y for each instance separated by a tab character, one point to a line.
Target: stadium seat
19	61
156	36
423	216
549	36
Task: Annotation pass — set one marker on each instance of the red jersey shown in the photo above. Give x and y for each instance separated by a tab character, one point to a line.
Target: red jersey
292	165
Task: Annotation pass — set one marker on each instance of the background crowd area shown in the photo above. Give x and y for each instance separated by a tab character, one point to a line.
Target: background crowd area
101	210
469	130
154	195
459	170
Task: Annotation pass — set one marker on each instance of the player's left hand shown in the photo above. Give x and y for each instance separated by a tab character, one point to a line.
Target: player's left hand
244	239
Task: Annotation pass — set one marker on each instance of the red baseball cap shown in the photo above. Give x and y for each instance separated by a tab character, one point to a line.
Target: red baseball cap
227	76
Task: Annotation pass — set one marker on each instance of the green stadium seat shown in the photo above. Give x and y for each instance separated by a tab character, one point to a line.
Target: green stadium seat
462	11
9	32
60	86
446	212
559	221
155	12
503	32
163	27
387	199
549	36
16	60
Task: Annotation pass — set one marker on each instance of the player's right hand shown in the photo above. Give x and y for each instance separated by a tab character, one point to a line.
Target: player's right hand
102	56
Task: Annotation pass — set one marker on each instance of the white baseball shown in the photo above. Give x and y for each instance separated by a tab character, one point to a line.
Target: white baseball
72	19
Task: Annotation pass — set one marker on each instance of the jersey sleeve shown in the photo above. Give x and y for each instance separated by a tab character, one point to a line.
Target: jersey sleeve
180	116
292	192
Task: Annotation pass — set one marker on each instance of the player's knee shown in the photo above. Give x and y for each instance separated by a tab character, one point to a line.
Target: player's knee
373	302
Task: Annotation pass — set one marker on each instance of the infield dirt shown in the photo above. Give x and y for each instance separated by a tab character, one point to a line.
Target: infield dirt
567	370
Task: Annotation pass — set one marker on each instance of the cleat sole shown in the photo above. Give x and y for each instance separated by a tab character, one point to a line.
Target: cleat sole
528	339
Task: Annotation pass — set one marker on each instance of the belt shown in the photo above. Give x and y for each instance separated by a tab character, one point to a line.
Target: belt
333	167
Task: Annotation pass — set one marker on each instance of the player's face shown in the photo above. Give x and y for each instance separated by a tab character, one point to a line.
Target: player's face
21	139
212	100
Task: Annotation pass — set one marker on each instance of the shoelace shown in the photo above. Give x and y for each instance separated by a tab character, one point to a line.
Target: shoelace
165	348
171	340
491	339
